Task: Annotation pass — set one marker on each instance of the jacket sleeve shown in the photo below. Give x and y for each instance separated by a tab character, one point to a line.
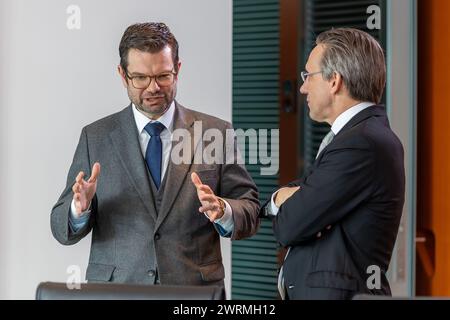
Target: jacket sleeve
268	202
341	182
239	190
59	217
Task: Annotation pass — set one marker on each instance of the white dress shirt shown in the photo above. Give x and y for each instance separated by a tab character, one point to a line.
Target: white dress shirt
144	137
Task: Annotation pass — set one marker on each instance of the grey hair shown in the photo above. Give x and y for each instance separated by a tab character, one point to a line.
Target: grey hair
358	58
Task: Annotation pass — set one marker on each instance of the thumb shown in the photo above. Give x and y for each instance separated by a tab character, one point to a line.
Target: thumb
95	173
196	180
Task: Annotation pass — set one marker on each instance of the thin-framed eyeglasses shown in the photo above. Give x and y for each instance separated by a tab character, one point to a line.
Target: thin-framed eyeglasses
305	74
163	79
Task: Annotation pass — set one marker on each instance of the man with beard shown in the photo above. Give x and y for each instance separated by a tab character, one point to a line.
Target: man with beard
153	221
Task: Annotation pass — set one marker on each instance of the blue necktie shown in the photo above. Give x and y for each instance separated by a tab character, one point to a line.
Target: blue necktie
153	155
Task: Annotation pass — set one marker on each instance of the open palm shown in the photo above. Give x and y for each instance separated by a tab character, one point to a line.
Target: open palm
84	191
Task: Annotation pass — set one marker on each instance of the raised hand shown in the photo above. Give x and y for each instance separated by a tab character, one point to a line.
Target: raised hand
84	191
212	205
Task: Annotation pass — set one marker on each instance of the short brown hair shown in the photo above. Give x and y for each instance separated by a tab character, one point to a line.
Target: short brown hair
148	37
358	58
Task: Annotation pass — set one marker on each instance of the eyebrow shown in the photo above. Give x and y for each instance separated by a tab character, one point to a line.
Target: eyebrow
137	74
143	74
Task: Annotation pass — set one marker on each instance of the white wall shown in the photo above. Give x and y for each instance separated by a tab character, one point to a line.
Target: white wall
53	81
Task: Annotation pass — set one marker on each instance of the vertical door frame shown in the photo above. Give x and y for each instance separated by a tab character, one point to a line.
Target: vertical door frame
401	101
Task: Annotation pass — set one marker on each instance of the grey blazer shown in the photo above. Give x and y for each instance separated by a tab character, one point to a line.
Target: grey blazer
130	238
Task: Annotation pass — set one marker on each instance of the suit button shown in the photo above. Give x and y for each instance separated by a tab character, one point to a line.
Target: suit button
151	273
157	236
319	234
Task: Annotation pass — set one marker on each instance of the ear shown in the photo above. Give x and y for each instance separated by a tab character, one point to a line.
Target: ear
179	68
122	76
336	83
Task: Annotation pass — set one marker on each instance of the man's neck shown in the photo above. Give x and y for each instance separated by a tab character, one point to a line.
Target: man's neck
341	107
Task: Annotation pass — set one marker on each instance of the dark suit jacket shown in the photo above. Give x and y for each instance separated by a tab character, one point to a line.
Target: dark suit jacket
346	215
130	239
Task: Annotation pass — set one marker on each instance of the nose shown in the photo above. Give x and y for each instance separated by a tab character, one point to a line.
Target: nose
153	86
302	88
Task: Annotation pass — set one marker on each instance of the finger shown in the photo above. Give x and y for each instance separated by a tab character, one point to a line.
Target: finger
209	207
291	192
79	186
212	216
75	187
79	177
208	197
95	173
196	180
205	188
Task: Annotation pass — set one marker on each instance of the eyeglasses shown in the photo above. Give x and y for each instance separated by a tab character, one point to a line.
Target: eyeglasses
305	74
164	79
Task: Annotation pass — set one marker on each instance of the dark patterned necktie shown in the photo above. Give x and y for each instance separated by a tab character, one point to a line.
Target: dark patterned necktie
153	155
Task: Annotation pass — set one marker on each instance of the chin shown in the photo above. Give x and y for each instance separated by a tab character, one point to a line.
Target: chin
156	109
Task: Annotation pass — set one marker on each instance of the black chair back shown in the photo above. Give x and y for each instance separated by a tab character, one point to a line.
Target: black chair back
114	291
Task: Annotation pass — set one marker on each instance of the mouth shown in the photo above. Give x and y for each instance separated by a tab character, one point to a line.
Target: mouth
153	99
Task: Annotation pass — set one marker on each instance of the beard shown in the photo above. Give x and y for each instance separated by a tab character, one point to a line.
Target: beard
153	105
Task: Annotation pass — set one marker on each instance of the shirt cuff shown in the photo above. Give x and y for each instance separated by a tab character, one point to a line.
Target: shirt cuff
226	221
272	209
77	223
225	224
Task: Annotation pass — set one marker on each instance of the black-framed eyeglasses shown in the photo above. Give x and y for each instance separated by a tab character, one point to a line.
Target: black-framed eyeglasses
305	74
164	79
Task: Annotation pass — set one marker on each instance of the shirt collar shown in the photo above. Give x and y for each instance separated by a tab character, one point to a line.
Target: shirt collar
166	119
347	115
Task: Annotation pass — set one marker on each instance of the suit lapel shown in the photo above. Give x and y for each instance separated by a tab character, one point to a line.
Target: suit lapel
126	145
176	173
